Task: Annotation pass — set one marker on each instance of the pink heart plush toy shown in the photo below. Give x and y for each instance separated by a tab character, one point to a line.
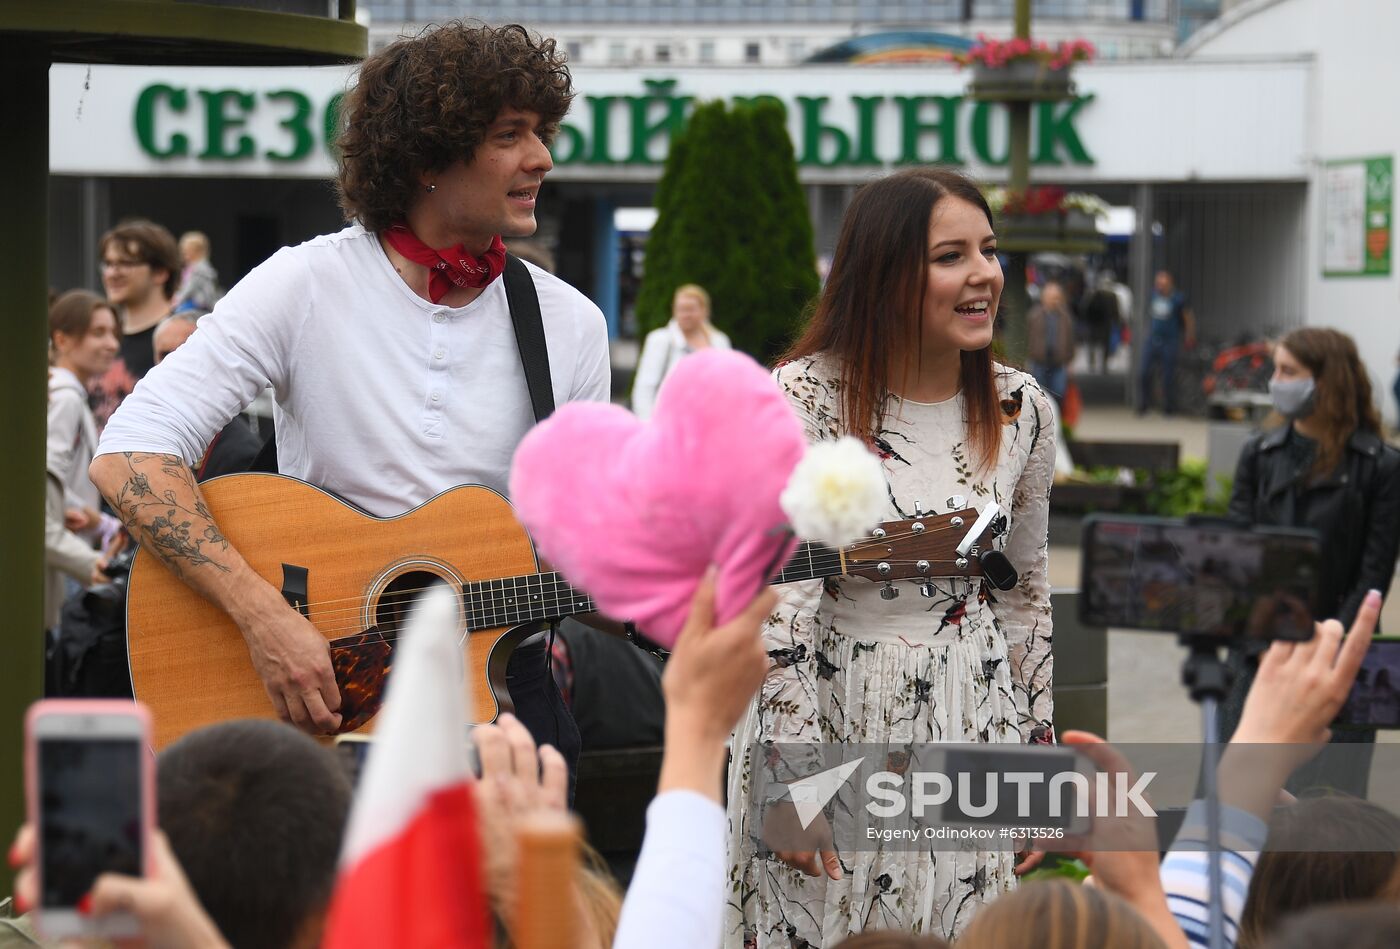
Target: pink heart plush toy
634	512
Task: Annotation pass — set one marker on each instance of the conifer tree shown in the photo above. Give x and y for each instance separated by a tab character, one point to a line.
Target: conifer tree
732	217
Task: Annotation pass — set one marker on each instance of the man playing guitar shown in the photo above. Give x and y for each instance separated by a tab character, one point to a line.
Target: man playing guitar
394	364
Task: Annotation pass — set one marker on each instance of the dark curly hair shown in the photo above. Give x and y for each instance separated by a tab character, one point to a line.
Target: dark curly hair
422	103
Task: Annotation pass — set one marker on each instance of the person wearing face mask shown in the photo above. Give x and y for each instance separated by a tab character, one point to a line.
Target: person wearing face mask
1324	467
689	330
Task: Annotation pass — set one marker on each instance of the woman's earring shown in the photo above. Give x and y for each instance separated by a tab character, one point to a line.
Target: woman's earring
432	188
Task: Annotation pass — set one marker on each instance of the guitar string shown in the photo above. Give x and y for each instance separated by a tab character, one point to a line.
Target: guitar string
827	552
519	619
548	604
545	595
530	593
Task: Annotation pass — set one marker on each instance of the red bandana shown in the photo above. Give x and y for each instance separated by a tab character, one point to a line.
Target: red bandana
452	266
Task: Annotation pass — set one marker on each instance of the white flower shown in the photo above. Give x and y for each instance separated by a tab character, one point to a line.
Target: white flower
836	494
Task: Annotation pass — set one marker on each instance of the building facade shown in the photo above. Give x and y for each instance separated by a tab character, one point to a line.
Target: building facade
1255	170
758	33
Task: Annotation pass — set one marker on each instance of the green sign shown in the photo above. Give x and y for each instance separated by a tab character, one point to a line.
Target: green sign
287	125
1357	210
930	129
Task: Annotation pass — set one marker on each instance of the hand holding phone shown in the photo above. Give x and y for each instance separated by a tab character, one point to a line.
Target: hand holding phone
170	914
90	784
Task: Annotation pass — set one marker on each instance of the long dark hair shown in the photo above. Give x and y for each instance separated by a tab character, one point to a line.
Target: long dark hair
1343	390
871	309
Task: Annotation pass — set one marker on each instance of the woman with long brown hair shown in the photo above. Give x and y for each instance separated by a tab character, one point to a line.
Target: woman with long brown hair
1323	466
898	354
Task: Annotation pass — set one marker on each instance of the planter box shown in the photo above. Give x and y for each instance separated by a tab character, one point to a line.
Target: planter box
1022	80
1070	231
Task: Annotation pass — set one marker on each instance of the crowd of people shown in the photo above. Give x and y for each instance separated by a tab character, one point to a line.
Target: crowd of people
394	351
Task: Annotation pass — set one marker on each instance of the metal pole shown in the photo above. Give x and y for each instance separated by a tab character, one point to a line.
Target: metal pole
24	165
1017	300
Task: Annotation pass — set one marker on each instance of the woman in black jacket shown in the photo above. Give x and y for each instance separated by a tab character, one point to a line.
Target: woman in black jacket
1324	466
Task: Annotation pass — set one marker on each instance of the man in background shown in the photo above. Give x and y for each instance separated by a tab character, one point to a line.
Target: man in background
1170	323
140	271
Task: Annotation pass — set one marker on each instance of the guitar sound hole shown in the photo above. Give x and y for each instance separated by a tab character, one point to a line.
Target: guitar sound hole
395	604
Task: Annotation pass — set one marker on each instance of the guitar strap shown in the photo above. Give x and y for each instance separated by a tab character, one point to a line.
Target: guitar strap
524	305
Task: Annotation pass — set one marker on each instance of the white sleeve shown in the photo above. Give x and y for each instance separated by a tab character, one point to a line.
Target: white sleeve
64	550
65	419
593	367
239	349
651	366
678	884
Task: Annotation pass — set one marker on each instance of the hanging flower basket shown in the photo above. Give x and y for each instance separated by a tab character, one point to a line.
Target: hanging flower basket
1024	80
1069	232
1022	70
1047	219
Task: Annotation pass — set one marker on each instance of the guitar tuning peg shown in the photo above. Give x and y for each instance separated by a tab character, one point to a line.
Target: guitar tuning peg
888	592
926	589
957	502
918	508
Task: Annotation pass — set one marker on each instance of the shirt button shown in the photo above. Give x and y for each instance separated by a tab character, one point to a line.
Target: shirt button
440	318
437	396
438	354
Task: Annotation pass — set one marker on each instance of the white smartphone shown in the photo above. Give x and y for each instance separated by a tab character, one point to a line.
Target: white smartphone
90	782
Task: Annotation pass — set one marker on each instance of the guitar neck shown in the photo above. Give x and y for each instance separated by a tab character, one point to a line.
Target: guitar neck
536	597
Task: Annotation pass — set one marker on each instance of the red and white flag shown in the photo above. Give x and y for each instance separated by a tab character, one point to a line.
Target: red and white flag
410	870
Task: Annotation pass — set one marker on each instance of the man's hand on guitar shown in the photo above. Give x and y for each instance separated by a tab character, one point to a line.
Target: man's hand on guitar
294	662
161	505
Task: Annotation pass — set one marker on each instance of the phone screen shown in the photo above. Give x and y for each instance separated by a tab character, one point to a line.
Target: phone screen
1374	700
89	813
1221	581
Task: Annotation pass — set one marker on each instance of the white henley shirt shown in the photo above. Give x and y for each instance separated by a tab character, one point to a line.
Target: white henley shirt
382	398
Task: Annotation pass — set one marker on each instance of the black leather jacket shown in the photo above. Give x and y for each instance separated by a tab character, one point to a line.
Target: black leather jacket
1356	510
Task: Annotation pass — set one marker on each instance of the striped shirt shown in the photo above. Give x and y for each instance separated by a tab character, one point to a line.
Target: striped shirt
1186	870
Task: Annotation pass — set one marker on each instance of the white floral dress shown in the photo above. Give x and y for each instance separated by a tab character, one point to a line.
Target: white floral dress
967	664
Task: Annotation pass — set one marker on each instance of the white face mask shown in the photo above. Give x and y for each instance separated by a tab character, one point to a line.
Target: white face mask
1293	398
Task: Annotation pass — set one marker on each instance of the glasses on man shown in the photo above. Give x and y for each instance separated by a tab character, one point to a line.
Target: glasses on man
122	264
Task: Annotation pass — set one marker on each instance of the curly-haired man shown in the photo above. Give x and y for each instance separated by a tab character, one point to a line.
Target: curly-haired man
389	345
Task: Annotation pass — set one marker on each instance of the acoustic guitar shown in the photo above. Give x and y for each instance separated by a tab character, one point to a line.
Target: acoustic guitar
354	576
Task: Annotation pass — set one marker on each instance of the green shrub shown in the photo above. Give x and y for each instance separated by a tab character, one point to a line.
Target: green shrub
733	218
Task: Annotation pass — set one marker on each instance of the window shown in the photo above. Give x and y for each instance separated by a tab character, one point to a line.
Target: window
707	51
796	50
574	50
663	53
617	52
753	53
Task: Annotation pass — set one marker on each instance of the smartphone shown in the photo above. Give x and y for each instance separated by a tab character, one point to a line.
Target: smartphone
1220	581
1046	788
1374	700
352	749
90	784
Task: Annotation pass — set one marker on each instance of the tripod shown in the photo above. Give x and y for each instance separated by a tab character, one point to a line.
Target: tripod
1208	679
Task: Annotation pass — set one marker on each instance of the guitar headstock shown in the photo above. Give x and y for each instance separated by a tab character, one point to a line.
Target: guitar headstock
918	547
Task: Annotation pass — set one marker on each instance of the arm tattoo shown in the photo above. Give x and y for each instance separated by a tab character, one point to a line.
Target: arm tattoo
176	533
